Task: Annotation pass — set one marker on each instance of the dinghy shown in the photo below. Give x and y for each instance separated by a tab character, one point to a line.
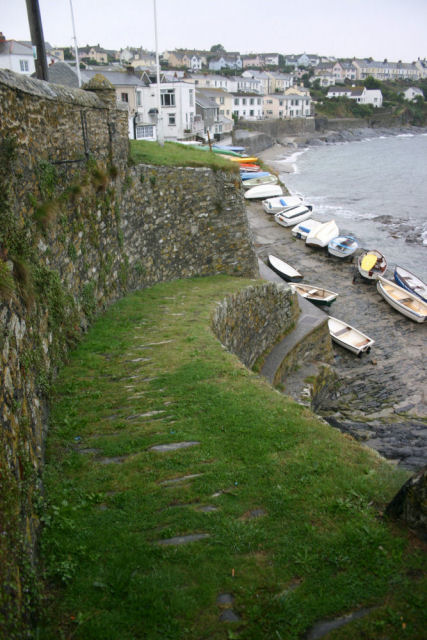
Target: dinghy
371	264
290	216
342	246
249	167
349	337
302	229
318	295
254	182
247	175
263	191
402	300
276	205
283	269
411	282
321	236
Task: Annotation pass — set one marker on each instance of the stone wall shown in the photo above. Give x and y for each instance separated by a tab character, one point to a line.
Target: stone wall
251	321
78	229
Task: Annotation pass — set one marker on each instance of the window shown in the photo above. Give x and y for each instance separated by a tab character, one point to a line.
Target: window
243	100
23	64
144	131
171	119
191	97
124	97
251	113
221	101
167	97
236	101
251	101
138	99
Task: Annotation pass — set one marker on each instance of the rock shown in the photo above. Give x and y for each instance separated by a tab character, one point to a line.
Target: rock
410	503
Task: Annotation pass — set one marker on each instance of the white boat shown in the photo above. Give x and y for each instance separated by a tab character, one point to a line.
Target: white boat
349	337
275	205
318	295
290	216
411	282
371	264
283	269
263	191
321	236
342	246
402	300
254	182
302	229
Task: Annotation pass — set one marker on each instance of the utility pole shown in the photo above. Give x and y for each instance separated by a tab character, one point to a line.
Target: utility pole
37	39
160	137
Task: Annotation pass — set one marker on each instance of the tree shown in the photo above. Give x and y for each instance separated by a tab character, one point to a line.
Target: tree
371	83
217	48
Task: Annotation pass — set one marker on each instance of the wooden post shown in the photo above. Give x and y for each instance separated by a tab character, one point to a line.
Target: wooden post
37	39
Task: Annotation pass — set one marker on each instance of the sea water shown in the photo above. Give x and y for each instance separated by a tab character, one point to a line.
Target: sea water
375	189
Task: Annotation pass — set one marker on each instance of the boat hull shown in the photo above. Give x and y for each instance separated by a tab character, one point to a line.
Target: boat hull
277	205
348	337
319	296
256	182
292	215
283	269
342	246
407	303
301	230
322	235
411	283
263	191
376	270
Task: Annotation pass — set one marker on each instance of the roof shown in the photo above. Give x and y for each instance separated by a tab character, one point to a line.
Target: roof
61	73
10	47
117	78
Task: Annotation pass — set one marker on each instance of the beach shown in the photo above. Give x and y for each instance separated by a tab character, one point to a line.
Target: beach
380	398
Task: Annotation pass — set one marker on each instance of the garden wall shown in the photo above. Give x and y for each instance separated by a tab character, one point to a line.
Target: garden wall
78	229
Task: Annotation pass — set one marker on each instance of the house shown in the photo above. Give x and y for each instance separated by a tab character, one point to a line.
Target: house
95	53
260	60
178	110
325	79
360	94
142	60
288	105
247	84
413	93
222	122
262	77
226	61
186	59
18	56
302	60
386	70
210	81
279	81
247	106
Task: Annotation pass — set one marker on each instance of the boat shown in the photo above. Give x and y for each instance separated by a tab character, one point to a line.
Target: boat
283	269
410	282
371	264
249	175
402	300
321	235
263	191
240	159
349	337
253	182
275	205
228	147
318	295
290	216
342	246
302	229
249	167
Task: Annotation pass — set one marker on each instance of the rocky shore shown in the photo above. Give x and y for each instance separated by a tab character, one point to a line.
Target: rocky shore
379	399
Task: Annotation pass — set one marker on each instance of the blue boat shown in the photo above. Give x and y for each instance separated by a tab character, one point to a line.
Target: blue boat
410	282
248	175
342	246
227	147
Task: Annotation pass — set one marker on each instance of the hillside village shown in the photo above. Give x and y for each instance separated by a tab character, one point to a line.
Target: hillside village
204	93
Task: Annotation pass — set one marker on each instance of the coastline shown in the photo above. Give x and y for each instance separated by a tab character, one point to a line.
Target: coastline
380	399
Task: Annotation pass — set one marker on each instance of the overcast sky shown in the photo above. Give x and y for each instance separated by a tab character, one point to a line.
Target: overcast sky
393	29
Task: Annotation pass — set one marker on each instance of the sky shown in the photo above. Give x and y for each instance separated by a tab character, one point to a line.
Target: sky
392	29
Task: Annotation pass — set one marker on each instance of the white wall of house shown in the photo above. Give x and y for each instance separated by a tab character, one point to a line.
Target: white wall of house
276	106
177	111
247	107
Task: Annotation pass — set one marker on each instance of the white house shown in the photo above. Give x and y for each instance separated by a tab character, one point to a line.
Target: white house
412	93
178	110
288	105
360	94
247	106
227	61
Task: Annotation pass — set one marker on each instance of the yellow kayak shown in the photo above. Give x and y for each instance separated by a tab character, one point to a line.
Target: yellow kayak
243	159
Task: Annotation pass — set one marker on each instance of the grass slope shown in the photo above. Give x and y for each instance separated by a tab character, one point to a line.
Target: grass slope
296	536
172	154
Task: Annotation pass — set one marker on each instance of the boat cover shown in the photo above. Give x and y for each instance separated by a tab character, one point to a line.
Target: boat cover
368	262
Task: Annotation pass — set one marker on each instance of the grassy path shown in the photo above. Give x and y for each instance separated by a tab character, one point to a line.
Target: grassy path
186	499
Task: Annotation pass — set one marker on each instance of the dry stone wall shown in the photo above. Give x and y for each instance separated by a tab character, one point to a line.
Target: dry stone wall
78	229
251	321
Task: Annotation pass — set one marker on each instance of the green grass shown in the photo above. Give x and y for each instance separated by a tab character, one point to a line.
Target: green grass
321	549
172	154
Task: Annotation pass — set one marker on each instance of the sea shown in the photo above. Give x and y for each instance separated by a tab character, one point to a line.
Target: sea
375	189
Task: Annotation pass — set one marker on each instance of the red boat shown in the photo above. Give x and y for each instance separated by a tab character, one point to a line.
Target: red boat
249	167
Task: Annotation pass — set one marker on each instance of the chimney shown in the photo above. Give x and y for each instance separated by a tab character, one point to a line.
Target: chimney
2	37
